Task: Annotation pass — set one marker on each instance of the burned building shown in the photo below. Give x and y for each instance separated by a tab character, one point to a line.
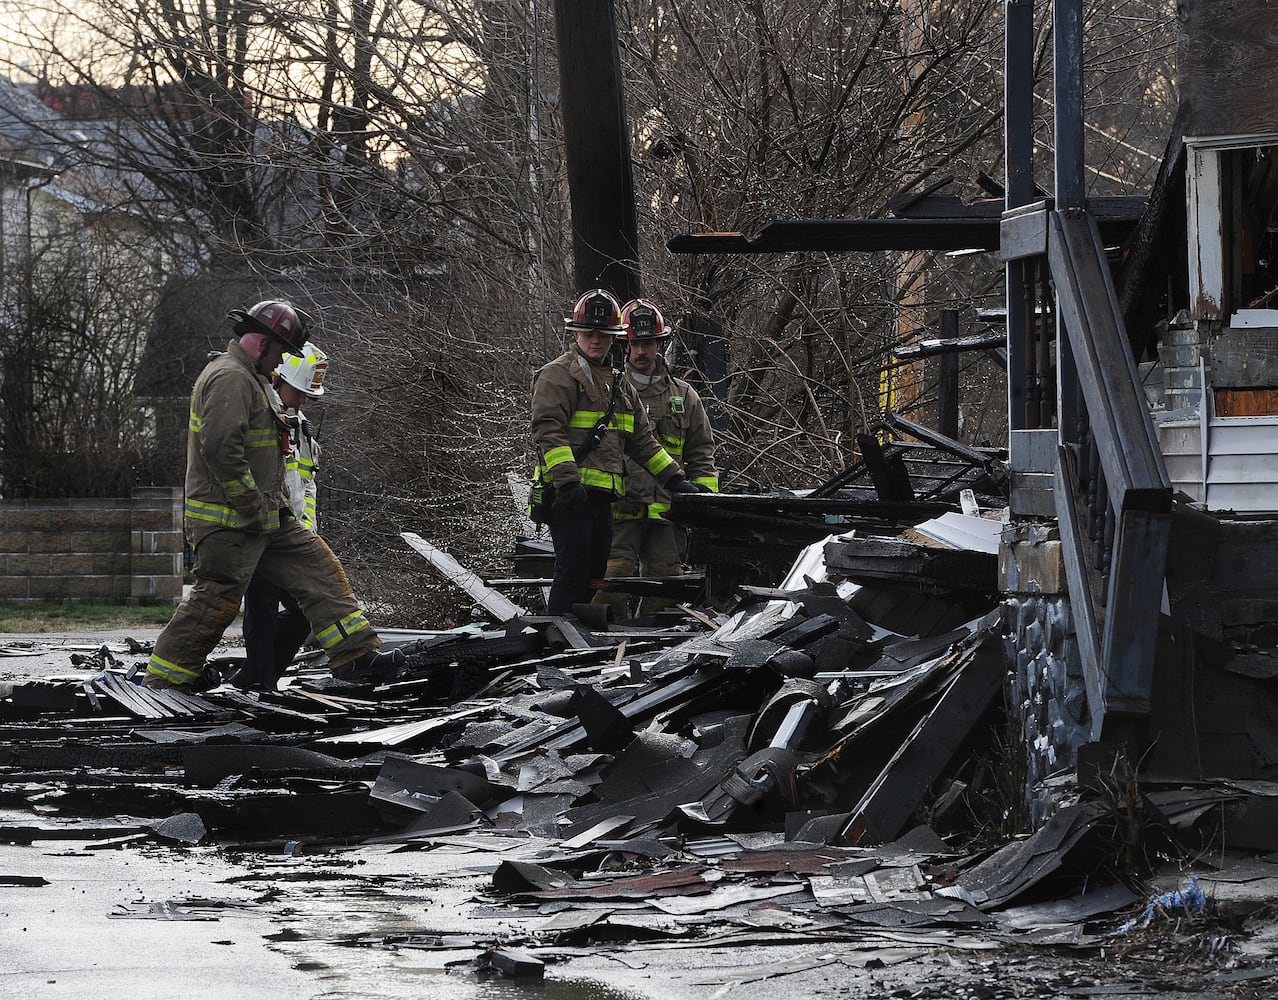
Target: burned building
875	633
1142	390
1155	450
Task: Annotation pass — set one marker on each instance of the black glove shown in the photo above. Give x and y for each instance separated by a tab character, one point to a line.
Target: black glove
682	485
571	497
632	508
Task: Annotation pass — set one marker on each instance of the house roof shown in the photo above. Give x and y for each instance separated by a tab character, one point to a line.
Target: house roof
29	129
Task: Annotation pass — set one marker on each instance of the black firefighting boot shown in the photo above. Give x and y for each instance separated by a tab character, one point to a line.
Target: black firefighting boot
373	667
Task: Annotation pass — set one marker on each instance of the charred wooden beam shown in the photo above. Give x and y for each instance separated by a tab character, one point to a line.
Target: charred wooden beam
948	346
973	456
929	569
682	588
896	793
888	473
971	228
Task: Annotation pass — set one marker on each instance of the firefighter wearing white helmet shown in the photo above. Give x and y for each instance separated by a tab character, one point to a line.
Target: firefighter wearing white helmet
305	372
643	541
273	635
299	377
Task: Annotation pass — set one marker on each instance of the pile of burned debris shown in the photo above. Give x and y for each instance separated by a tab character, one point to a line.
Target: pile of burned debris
797	712
835	744
697	762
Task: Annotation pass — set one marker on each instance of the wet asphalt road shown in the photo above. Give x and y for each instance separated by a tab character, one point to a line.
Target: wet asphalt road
143	921
158	923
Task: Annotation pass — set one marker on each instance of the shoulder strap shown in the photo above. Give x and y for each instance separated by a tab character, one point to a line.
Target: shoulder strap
601	428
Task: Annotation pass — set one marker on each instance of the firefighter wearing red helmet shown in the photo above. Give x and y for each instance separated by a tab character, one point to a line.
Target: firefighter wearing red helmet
587	420
239	518
281	323
644	542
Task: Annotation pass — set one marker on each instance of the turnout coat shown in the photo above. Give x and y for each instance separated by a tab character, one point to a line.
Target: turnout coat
569	399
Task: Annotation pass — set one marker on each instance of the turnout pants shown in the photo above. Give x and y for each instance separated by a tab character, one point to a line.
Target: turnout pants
291	558
271	637
582	540
641	546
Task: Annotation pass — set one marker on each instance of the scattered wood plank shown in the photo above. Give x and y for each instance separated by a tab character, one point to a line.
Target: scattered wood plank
887	805
391	736
499	606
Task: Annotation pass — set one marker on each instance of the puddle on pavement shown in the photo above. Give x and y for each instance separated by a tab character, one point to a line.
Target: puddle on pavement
359	969
366	973
369	941
403	984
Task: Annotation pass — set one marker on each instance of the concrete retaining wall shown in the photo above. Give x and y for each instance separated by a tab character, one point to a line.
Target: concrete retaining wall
108	551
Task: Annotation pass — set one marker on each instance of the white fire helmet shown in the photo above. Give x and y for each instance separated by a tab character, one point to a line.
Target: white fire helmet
305	372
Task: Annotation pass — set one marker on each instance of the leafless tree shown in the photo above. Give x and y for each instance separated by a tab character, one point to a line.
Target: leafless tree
412	155
788	110
750	112
69	425
385	147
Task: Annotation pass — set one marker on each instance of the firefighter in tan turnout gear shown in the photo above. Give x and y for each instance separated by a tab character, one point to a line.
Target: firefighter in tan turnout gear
239	518
643	541
586	420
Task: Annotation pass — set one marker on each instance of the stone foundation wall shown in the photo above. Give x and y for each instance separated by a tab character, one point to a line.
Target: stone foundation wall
107	551
1047	691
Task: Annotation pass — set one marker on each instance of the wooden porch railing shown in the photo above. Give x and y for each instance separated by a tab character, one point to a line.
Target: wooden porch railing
1113	496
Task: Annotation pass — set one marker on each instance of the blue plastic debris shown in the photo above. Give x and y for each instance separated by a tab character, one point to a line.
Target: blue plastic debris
1186	901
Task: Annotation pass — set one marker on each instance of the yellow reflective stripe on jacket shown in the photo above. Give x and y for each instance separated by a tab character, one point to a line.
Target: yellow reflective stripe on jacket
228	517
556	456
656	510
308	516
305	467
253	437
673	445
170	671
238	487
660	461
586	419
603	480
339	630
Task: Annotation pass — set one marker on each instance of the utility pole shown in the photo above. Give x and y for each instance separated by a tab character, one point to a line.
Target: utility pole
597	148
901	382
